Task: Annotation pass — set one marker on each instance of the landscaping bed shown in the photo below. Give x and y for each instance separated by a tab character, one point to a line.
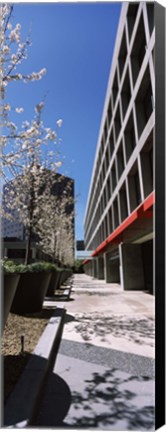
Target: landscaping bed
14	354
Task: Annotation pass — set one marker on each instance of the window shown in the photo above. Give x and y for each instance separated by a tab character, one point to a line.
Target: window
144	104
131	16
138	51
122	54
129	135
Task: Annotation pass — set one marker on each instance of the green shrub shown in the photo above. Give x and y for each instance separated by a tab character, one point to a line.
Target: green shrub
9	263
40	266
21	268
8	267
11	267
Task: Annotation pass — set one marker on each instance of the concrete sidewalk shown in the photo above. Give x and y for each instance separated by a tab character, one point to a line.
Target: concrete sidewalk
103	377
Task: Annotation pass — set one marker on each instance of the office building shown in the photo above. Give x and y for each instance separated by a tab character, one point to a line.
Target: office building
119	214
13	230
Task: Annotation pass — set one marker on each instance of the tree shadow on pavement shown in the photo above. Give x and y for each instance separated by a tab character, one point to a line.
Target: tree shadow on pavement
109	400
131	329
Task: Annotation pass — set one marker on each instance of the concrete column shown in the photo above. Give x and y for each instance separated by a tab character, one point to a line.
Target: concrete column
147	255
90	269
90	272
111	268
87	268
100	268
131	266
94	268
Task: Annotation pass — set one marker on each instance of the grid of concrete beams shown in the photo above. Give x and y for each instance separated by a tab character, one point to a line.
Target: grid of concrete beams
122	176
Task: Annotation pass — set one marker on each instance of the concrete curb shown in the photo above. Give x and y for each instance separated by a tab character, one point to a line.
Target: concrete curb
22	405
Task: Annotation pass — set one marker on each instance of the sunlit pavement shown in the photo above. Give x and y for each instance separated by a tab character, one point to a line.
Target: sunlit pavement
104	374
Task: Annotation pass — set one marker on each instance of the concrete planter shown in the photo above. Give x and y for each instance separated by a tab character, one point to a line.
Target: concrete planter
65	275
31	290
54	283
9	289
57	279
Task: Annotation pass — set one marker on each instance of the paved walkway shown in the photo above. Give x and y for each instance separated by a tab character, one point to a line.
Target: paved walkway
104	374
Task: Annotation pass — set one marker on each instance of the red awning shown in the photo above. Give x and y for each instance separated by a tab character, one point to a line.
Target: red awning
143	211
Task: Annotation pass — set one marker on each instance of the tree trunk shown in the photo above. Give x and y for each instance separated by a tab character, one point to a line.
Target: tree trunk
30	228
28	246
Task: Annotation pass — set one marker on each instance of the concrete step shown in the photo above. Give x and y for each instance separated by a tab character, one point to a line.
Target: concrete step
23	403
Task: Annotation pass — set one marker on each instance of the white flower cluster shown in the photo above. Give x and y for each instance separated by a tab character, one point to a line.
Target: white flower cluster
15	34
59	122
58	164
19	110
51	135
6	107
35	76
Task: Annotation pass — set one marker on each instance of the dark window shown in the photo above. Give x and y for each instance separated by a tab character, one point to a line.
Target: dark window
122	54
138	51
131	16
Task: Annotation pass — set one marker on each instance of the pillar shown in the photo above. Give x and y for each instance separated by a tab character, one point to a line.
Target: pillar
100	267
94	267
131	265
111	268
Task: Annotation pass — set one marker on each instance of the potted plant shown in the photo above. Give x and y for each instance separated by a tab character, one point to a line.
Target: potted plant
54	281
32	287
9	285
67	272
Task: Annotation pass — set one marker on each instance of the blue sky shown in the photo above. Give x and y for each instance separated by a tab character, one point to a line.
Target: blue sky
75	43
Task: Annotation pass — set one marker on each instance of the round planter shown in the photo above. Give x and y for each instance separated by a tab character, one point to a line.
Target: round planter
53	284
60	281
9	289
66	274
30	293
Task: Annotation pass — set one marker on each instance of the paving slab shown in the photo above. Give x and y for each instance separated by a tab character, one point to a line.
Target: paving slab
105	315
103	377
81	394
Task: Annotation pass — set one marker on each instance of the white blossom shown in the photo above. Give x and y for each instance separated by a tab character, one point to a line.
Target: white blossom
43	71
13	58
59	122
58	164
5	9
25	144
51	135
19	110
9	26
5	49
7	107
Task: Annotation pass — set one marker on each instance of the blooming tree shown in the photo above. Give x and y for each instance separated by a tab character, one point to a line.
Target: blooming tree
25	194
26	158
56	222
12	52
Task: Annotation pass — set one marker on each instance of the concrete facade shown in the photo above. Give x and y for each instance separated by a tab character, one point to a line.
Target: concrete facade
119	212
